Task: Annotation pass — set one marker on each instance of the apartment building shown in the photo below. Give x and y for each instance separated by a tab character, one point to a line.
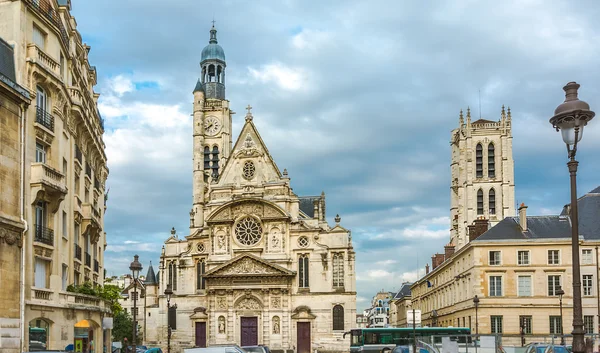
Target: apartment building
65	173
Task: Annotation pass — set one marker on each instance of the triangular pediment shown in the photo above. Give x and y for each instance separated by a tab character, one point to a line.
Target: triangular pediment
250	161
248	265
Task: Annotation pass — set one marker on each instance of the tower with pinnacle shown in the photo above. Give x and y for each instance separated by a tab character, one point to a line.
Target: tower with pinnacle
482	174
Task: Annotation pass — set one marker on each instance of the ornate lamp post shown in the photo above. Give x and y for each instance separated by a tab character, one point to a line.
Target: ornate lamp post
168	293
560	292
136	268
569	118
476	303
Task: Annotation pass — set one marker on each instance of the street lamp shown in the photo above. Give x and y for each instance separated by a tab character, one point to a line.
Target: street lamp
168	293
136	268
476	303
569	118
560	292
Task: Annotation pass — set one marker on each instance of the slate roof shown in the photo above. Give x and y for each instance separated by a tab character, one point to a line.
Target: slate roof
403	292
150	276
7	61
306	205
198	87
551	227
483	121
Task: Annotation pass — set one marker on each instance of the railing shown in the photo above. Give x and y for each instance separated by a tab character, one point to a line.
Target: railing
44	9
44	235
44	118
96	266
77	251
39	293
42	173
78	154
88	259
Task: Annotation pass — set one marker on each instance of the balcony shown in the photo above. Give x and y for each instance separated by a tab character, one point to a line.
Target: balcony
88	259
41	294
96	266
48	184
78	252
38	57
44	118
91	221
44	235
45	10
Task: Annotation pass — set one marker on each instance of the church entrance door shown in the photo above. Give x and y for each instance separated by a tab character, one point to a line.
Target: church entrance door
303	337
249	331
201	334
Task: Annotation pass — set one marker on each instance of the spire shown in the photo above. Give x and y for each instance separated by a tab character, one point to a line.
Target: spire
509	116
461	120
213	34
468	115
150	276
503	115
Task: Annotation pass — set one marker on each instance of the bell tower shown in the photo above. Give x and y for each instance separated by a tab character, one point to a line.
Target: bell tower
212	126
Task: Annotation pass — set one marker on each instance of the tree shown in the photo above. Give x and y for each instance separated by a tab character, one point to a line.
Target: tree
122	326
112	294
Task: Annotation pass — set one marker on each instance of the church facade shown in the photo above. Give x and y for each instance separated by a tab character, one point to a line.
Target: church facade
260	265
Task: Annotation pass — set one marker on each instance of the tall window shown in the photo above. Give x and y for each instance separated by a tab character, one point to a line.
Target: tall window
587	285
200	270
524	283
523	257
492	201
338	270
479	161
39	37
496	323
41	98
491	161
65	276
40	153
76	235
206	158
586	256
480	202
525	324
495	258
172	275
215	162
41	277
338	318
553	284
303	271
495	286
40	214
553	257
588	324
555	325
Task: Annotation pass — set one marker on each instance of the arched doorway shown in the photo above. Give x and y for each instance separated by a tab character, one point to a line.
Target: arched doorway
85	342
38	335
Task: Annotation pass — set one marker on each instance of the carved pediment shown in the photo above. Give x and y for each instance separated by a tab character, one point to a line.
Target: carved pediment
248	265
234	209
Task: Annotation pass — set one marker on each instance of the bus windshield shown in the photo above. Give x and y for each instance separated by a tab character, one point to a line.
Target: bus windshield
402	336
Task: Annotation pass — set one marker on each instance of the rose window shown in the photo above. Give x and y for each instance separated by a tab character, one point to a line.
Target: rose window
303	241
248	231
249	169
200	247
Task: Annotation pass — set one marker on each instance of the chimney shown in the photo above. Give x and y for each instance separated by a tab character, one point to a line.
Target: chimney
478	227
426	269
433	263
523	217
439	258
448	251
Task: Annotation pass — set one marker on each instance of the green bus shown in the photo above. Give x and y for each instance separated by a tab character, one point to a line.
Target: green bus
384	340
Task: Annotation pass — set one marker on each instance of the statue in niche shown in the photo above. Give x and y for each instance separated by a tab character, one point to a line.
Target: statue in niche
221	325
276	325
275	241
221	241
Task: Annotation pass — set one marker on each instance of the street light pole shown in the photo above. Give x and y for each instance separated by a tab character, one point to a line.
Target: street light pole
570	118
136	268
168	293
476	303
560	293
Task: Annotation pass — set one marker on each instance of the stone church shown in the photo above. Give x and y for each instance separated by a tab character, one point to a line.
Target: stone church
261	265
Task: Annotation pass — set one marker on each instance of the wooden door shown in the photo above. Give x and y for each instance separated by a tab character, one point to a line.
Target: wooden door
249	331
201	334
303	337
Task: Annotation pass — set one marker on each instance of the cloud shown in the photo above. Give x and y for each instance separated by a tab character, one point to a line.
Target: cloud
120	85
286	78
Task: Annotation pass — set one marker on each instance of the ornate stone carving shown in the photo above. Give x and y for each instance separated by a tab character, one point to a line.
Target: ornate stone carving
222	303
275	192
223	215
276	302
221	324
271	212
247	266
276	325
11	237
248	304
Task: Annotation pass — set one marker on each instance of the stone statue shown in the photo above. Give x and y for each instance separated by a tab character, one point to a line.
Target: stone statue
276	325
221	324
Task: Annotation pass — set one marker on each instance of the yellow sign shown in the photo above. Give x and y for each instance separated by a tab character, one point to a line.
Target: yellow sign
79	345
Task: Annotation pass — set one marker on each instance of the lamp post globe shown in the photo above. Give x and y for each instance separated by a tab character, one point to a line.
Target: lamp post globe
136	268
570	117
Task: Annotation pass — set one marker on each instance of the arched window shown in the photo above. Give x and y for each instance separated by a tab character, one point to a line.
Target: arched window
303	271
491	161
219	72
173	275
200	270
211	73
338	270
338	318
215	162
480	202
204	74
206	158
492	201
479	161
38	334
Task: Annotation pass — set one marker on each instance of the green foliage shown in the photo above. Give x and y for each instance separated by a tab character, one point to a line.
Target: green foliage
109	293
122	327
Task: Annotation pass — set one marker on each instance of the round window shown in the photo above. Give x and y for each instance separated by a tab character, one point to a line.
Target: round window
248	231
249	170
303	241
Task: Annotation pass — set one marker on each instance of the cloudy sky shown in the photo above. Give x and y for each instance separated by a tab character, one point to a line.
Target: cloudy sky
356	98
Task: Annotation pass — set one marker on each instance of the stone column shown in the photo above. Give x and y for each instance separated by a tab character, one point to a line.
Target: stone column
230	316
212	319
266	316
285	319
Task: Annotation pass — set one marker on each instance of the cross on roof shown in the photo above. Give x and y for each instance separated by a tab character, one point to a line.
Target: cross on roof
249	108
213	21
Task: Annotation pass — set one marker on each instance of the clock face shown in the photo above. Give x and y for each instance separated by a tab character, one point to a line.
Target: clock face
212	125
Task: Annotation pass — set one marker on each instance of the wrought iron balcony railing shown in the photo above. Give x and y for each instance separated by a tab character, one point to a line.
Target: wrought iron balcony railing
44	118
88	259
44	234
78	252
96	265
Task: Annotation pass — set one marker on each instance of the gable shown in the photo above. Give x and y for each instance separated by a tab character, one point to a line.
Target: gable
248	265
260	208
250	161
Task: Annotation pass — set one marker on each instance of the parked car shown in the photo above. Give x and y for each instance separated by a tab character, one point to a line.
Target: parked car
224	348
408	349
154	350
545	348
256	349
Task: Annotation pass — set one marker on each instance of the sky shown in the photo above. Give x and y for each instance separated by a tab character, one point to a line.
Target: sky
353	98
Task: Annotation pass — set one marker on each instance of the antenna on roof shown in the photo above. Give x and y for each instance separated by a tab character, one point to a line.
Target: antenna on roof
480	103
